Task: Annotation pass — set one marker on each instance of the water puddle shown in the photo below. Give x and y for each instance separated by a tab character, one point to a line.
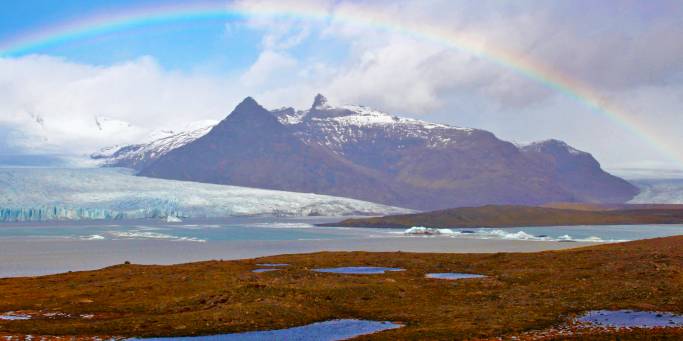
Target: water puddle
453	275
273	264
631	318
328	330
358	270
264	270
12	316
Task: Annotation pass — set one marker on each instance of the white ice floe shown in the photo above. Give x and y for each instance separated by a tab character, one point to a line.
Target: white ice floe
93	237
421	230
173	219
137	234
490	233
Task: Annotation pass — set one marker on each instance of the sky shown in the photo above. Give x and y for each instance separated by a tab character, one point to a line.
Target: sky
72	94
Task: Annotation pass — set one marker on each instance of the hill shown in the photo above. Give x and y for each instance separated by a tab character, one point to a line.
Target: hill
516	216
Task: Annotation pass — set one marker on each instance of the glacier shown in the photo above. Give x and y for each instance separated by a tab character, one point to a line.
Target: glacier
41	194
659	191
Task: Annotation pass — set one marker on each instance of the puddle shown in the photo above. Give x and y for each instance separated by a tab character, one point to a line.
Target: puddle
12	316
358	270
264	270
328	330
453	275
273	264
631	318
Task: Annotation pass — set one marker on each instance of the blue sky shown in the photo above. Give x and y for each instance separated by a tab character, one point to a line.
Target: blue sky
168	75
181	45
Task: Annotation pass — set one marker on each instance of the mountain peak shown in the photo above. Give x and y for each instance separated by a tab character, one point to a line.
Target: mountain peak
320	102
553	145
248	103
249	114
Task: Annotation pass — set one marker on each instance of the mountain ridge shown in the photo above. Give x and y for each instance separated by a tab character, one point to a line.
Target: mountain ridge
362	153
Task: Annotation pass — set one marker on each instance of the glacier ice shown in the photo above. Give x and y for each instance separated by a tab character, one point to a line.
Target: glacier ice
659	191
37	194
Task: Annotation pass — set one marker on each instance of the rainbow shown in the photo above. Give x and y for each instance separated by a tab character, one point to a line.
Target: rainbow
522	64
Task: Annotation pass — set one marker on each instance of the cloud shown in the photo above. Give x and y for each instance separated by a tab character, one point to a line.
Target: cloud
59	106
268	67
628	53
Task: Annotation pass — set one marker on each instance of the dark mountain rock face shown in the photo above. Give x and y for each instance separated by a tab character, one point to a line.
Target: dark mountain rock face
357	152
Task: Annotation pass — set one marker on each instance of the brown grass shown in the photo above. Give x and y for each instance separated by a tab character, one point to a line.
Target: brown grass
525	291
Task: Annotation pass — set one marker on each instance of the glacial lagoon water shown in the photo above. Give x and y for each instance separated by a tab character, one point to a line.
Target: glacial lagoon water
29	249
323	331
283	229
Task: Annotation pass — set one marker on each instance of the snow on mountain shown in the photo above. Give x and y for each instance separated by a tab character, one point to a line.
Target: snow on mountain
32	194
541	146
336	126
332	126
358	152
157	144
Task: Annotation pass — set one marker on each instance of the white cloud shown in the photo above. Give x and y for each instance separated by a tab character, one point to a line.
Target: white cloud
270	68
629	54
58	106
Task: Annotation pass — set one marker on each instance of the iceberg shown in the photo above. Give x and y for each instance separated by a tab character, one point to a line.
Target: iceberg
41	194
421	230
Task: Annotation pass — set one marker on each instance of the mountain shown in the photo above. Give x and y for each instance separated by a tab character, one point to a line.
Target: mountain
138	156
358	152
35	194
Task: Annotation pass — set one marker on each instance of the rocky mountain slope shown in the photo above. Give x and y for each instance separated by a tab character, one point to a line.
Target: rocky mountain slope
137	156
361	153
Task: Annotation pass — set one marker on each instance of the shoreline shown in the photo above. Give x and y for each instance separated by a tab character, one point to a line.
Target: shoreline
509	295
36	257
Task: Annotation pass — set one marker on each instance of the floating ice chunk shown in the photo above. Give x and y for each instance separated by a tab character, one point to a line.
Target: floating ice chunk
173	219
92	237
421	230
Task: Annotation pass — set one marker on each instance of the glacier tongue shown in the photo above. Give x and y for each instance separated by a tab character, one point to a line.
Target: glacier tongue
37	194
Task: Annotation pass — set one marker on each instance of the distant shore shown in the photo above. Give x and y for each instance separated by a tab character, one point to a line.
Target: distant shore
41	257
500	216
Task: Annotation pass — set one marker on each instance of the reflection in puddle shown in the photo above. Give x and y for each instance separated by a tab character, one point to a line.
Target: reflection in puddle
264	270
358	270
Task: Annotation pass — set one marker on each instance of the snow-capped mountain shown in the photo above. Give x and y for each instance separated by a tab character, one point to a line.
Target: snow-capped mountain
137	156
35	194
358	152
